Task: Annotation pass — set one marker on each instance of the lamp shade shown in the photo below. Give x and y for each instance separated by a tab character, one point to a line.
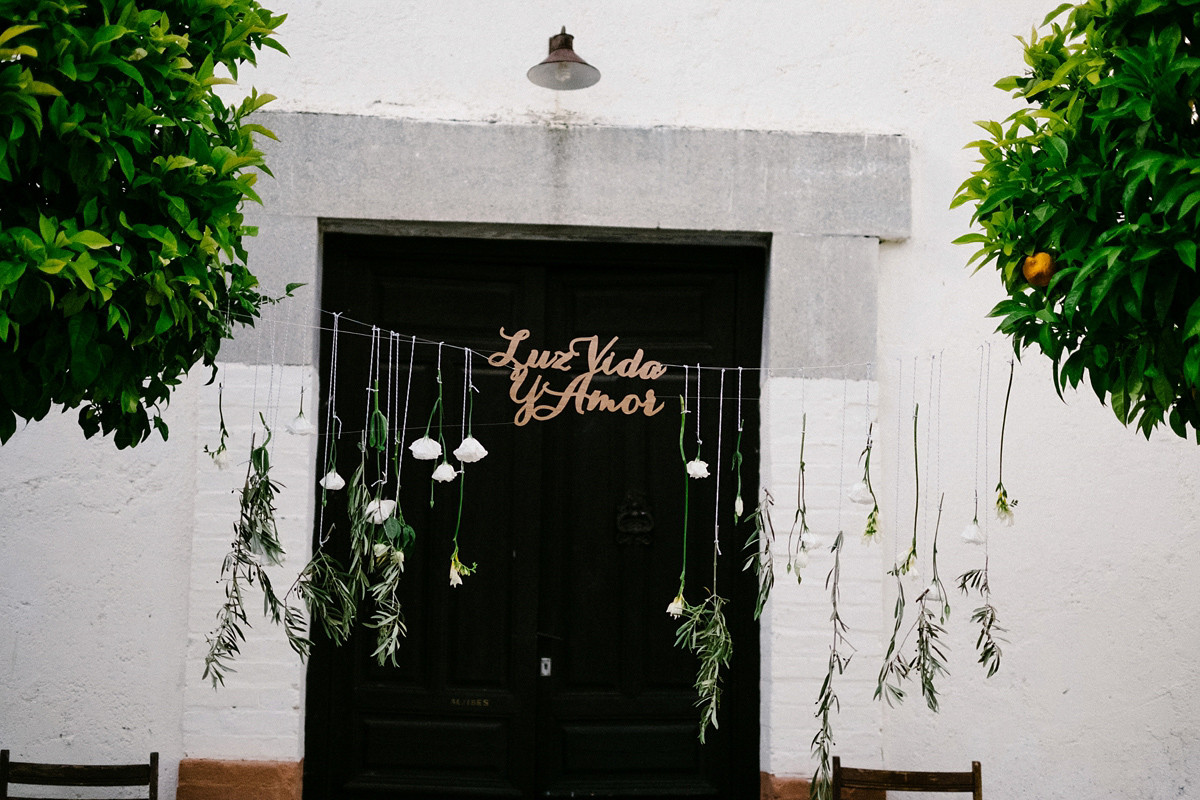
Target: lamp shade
563	69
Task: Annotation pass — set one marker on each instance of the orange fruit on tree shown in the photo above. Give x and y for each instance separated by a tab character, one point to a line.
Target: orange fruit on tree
1038	269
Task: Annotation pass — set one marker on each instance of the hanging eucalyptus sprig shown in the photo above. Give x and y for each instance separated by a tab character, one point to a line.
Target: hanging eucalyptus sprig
894	671
255	540
930	658
896	667
1004	506
761	559
324	588
827	700
798	555
705	633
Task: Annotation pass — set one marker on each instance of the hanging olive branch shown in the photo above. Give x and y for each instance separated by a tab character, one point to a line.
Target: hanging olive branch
930	658
798	557
255	541
827	700
761	558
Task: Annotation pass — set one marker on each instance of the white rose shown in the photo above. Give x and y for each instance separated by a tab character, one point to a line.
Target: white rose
861	493
801	559
380	551
425	449
378	511
697	468
444	473
675	608
1005	515
221	459
470	450
398	559
973	534
332	481
300	426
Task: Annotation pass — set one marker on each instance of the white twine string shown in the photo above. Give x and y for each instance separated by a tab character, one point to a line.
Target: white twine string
471	386
739	400
987	435
387	410
899	447
930	412
331	420
842	454
978	428
404	422
720	425
686	373
937	454
699	441
370	370
466	386
916	421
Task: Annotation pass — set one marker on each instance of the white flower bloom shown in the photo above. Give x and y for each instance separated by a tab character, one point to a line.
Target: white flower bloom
380	551
444	472
697	468
425	449
675	608
737	505
300	426
811	541
332	481
973	534
934	595
1005	515
398	559
455	578
378	511
221	459
861	493
470	450
801	559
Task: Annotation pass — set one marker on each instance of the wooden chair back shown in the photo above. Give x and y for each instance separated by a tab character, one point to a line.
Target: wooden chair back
28	773
885	779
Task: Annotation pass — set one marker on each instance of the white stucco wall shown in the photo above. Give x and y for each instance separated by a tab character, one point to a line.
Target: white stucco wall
1098	694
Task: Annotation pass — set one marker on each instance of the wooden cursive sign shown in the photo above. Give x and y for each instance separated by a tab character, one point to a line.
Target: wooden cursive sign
599	362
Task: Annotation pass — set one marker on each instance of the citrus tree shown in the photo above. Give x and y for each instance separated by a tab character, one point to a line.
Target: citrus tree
122	176
1088	201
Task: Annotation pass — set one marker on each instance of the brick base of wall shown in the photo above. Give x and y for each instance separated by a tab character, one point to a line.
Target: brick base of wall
773	788
213	779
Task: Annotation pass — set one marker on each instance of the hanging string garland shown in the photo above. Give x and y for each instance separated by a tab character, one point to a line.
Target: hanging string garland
380	537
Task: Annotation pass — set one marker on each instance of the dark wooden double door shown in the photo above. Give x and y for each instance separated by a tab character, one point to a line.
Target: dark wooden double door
575	523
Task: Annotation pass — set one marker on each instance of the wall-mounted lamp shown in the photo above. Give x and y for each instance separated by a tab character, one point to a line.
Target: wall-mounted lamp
562	69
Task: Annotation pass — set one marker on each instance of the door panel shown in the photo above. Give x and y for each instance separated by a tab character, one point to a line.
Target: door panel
560	576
